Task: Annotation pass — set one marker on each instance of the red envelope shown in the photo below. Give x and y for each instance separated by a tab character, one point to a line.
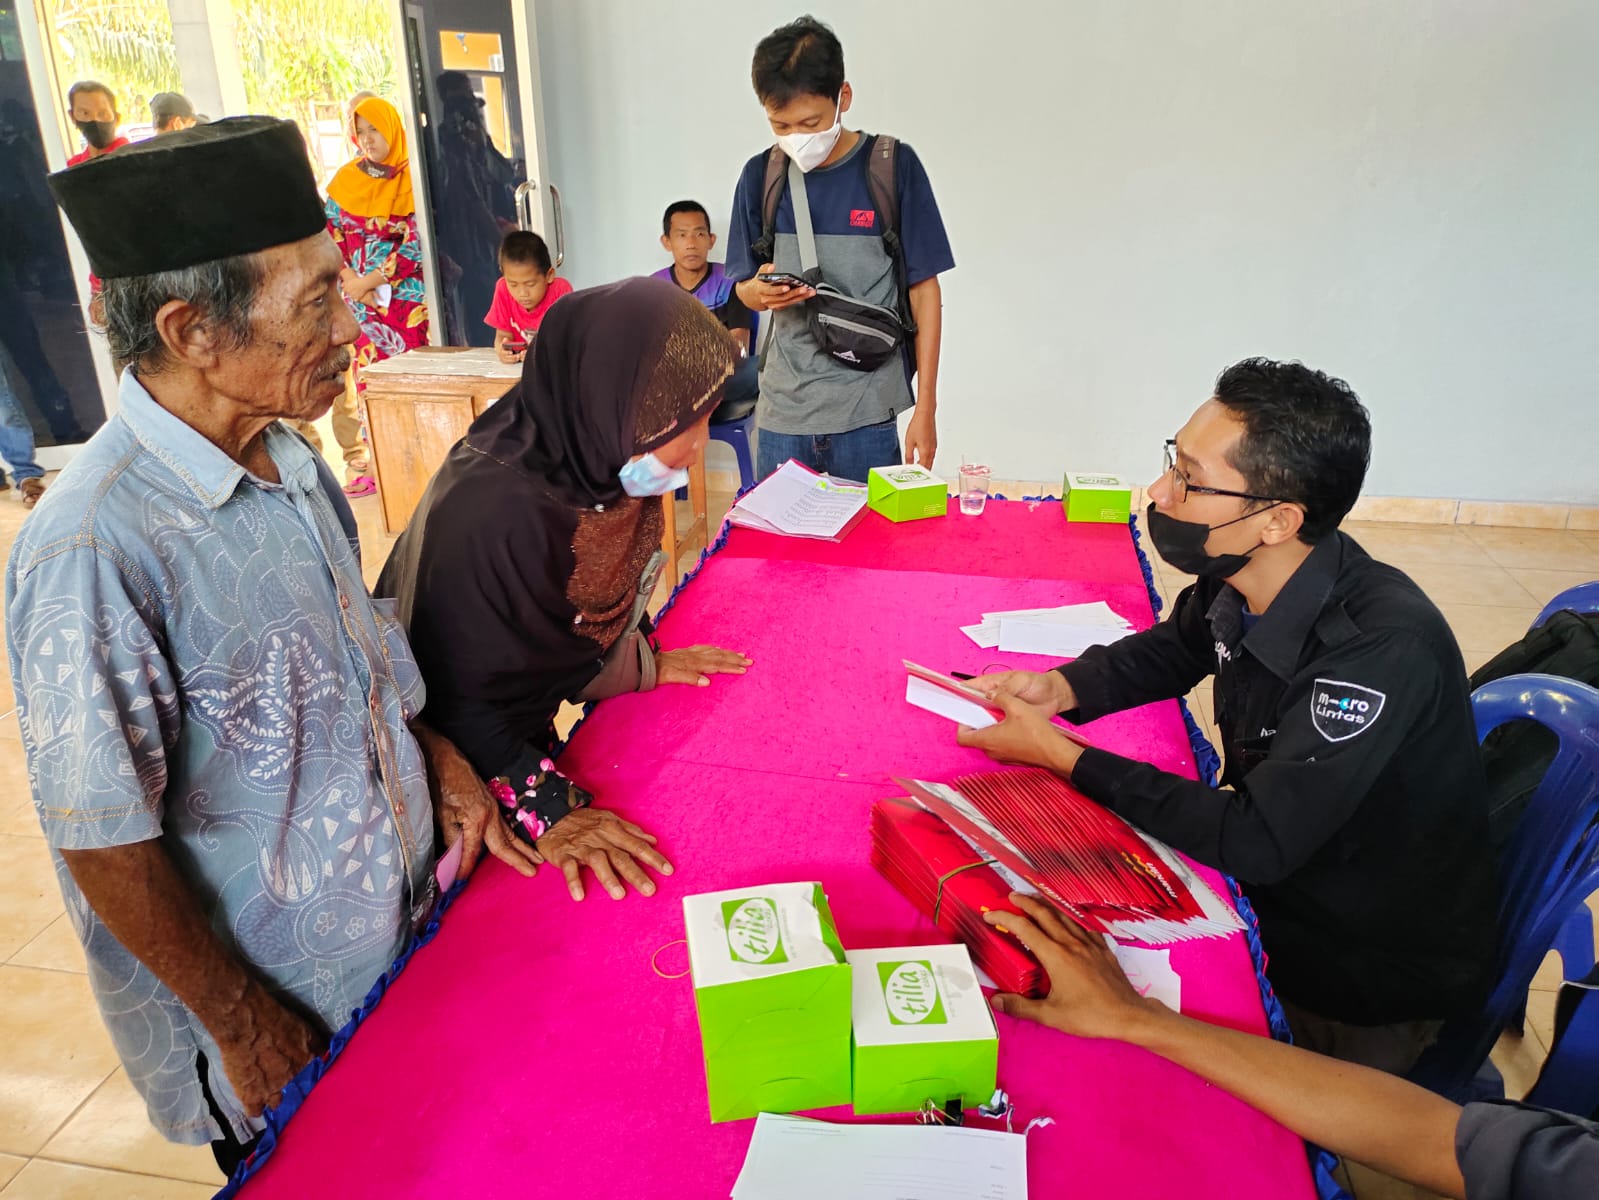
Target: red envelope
950	883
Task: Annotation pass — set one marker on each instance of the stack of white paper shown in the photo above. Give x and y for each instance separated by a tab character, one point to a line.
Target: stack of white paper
1063	632
793	1158
797	502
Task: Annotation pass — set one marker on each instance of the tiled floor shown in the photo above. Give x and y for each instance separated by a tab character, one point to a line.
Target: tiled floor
71	1125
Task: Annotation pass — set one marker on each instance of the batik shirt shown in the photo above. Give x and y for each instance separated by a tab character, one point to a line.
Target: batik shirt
197	660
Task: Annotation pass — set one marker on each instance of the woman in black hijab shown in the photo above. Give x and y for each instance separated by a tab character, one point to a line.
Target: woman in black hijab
524	573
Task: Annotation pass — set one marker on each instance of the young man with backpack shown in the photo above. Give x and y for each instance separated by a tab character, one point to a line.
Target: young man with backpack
850	220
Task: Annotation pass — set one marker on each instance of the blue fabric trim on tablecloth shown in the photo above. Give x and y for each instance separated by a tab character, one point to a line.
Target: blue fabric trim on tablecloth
298	1088
1208	763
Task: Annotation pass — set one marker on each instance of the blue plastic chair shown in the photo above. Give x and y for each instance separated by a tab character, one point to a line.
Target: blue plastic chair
1575	942
739	435
1583	598
1547	873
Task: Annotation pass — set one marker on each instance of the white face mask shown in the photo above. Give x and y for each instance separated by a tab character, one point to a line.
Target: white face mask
810	150
649	476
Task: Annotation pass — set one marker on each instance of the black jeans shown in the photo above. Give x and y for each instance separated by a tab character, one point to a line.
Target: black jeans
228	1150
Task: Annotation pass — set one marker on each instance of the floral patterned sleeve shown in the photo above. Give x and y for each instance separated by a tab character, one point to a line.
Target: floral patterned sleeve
538	800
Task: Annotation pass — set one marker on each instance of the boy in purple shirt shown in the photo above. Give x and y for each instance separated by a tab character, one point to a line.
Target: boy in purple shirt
686	235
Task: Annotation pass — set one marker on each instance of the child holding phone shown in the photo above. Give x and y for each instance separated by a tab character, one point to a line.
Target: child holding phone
527	288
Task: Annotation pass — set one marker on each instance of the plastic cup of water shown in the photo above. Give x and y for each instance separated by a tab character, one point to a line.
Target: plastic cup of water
973	488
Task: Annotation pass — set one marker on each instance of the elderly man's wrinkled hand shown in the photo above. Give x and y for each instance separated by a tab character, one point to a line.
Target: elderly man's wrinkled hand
264	1046
608	846
467	812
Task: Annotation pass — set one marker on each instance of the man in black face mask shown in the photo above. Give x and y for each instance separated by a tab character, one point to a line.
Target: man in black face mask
94	112
1352	807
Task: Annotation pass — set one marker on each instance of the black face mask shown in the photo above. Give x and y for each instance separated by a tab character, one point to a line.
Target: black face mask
1182	544
98	134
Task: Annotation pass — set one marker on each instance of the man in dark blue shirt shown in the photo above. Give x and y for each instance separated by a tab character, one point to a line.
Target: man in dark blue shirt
813	408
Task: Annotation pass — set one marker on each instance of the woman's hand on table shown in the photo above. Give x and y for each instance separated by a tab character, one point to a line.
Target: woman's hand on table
1026	737
1044	690
693	665
608	846
1089	995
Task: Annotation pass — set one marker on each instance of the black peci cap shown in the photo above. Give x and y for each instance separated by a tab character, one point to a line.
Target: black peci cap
232	187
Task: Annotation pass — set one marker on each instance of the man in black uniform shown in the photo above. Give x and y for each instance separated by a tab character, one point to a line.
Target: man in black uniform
1352	807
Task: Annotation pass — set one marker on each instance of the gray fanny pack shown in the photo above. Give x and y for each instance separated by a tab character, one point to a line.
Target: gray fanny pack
850	331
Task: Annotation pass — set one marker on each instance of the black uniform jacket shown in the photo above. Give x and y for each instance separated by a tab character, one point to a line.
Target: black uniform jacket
1352	807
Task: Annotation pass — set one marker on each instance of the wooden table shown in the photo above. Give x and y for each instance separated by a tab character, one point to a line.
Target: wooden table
418	405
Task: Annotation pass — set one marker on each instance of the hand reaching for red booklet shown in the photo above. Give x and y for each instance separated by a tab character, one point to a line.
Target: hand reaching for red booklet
1089	994
1026	736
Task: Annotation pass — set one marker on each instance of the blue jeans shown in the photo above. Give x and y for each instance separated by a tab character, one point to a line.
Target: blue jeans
844	455
16	433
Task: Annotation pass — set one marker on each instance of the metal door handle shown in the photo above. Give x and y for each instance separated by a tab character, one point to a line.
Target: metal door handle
560	227
524	203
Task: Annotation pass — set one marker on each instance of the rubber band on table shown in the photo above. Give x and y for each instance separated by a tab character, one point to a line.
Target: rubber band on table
654	967
938	899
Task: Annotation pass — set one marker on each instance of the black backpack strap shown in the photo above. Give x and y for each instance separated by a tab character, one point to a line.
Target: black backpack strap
884	189
771	196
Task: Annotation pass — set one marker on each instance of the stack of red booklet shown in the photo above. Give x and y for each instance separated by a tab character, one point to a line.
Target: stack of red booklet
948	881
1038	834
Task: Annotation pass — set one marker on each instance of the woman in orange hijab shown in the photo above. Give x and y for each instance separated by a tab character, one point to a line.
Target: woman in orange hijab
372	217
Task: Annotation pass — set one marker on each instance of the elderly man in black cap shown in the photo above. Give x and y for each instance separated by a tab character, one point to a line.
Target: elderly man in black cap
219	721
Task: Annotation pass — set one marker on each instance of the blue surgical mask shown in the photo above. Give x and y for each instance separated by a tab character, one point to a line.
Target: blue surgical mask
649	476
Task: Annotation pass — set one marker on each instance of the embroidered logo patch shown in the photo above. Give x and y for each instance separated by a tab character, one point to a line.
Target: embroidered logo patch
862	218
1342	710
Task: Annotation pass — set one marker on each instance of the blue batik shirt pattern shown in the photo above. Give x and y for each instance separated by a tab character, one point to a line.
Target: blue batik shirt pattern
196	659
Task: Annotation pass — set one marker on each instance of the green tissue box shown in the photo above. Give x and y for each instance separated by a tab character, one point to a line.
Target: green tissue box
1091	496
772	990
923	1030
906	493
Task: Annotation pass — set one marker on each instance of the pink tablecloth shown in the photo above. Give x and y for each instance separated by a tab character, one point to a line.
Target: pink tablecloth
531	1050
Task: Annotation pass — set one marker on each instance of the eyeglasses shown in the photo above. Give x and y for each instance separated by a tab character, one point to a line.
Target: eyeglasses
1184	489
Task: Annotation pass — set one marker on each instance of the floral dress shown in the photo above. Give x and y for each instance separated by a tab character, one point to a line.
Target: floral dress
389	243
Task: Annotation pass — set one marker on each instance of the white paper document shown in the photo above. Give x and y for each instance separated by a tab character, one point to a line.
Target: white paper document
986	634
800	503
794	1158
1061	632
946	703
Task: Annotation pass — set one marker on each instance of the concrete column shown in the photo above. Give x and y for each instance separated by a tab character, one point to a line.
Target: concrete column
204	39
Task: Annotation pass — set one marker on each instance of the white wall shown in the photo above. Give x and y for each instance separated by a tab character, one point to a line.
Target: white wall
1141	191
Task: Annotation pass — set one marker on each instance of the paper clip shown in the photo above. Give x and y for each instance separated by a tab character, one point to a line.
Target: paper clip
931	1114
